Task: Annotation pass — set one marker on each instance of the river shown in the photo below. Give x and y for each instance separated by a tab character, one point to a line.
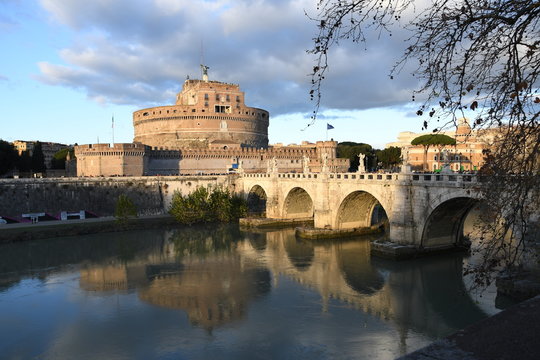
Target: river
217	292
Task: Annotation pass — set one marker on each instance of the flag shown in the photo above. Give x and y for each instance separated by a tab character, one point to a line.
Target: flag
329	127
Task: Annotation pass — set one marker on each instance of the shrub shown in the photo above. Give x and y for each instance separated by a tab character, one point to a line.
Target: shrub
125	208
204	205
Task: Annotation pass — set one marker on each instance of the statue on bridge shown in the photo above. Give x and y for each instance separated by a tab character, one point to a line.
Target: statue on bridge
446	169
274	165
240	166
305	163
325	168
405	168
361	163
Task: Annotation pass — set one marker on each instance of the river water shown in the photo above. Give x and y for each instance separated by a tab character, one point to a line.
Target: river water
216	292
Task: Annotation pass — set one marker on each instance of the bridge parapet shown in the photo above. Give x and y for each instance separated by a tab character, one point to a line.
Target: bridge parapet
412	178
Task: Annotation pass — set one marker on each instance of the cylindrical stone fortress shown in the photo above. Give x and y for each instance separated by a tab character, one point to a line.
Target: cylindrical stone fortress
205	112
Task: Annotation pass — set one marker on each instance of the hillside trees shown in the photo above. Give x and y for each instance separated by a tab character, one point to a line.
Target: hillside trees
475	58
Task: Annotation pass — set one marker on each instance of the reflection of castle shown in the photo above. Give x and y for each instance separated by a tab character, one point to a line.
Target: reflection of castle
208	130
215	285
213	291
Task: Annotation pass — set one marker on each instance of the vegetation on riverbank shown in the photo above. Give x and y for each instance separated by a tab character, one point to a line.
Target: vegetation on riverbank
207	205
124	209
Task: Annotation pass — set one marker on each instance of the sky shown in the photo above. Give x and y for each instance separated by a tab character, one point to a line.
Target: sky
69	66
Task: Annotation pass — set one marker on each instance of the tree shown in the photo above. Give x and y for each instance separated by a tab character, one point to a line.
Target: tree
477	56
38	159
24	161
428	140
389	157
350	150
8	157
125	208
59	159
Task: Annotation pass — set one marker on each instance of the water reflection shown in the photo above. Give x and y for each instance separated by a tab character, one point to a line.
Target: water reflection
217	276
427	294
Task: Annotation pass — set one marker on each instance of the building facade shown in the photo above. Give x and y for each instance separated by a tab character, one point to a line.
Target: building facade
466	155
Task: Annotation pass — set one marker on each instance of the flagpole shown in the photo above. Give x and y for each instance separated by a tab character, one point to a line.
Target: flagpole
113	129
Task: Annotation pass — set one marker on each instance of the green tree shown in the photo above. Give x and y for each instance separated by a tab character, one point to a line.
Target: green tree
8	157
350	150
59	159
429	140
38	159
389	157
124	209
24	161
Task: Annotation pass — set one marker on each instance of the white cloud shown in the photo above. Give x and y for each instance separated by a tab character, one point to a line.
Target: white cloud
138	52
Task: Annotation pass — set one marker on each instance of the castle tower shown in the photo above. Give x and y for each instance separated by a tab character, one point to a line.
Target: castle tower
205	112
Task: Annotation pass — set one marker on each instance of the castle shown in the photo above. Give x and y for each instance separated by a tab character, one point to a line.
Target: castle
209	130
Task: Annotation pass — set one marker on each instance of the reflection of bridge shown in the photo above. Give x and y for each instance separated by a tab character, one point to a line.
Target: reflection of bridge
411	295
426	210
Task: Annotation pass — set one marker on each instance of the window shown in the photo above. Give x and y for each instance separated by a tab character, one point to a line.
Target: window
222	109
217	97
205	96
228	98
237	98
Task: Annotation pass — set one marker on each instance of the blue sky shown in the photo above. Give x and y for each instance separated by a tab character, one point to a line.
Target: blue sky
69	66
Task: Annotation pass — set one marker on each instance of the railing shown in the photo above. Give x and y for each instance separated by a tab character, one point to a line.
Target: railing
425	179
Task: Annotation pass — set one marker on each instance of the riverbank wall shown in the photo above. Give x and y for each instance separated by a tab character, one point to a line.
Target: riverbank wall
151	195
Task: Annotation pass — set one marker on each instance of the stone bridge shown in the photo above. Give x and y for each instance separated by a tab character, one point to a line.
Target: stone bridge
424	210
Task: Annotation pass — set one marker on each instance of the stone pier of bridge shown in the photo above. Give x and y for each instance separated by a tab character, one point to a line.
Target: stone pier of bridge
423	210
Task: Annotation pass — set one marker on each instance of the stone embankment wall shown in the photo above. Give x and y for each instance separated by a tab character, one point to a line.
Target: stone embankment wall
151	195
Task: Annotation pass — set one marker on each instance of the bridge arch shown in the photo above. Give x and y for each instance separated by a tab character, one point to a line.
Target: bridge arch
256	201
298	204
359	209
444	225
